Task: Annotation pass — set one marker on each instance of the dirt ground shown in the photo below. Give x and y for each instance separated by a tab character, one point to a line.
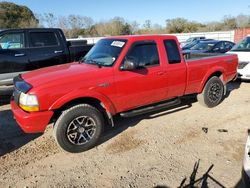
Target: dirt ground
187	146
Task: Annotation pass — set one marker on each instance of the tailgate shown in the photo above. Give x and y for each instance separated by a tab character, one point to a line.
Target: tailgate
231	66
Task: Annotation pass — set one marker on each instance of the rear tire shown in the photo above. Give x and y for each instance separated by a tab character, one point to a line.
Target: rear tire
212	93
78	128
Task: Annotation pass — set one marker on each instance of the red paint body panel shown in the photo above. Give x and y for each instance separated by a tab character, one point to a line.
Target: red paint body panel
200	70
123	90
31	122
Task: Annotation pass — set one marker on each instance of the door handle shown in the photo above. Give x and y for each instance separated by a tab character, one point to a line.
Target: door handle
19	55
58	51
161	73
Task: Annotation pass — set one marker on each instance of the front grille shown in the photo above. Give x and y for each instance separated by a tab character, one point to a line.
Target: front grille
16	95
241	65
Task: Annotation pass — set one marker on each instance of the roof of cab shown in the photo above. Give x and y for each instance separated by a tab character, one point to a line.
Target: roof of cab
29	29
141	37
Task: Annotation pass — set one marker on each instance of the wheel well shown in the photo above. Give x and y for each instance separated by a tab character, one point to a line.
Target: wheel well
87	100
218	74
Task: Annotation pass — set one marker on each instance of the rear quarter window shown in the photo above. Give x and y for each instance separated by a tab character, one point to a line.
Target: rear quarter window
43	39
172	51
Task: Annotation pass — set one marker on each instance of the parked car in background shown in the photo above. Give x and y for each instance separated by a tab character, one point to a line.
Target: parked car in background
23	50
126	76
191	44
191	39
242	49
213	46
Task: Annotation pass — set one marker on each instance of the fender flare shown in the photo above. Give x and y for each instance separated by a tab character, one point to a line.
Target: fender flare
78	94
209	74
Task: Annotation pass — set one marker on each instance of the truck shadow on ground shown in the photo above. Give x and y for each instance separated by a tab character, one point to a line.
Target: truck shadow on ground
11	136
232	86
5	96
4	99
121	124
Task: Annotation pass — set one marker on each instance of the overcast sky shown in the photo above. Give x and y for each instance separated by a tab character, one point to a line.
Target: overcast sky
140	10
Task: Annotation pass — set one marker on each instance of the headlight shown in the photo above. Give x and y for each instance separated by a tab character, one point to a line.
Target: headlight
28	102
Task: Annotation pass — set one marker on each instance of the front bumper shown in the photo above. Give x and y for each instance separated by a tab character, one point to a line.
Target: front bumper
31	122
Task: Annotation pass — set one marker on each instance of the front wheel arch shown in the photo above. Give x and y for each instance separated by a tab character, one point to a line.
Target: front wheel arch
208	76
86	100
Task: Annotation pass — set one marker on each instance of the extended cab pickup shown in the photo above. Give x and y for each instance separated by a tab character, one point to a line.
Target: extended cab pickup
22	50
126	75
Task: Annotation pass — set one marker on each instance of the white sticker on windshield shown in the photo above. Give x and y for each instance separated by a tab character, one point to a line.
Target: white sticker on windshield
119	44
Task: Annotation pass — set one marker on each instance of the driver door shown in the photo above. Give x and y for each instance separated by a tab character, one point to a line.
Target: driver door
145	84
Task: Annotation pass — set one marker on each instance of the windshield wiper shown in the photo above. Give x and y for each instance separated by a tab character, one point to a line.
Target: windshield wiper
91	61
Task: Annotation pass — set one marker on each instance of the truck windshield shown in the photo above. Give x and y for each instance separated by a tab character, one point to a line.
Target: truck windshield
244	45
105	52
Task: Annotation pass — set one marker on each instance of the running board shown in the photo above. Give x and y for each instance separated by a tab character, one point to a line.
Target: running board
151	108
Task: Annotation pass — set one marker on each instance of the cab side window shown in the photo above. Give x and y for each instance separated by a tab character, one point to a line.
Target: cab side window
144	54
172	51
12	41
43	39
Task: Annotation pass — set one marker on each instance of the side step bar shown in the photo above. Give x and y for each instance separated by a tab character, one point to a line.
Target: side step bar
151	108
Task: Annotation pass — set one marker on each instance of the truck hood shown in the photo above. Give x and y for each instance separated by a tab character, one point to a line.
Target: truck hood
59	73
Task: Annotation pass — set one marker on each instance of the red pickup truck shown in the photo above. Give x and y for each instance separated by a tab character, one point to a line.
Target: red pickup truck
126	75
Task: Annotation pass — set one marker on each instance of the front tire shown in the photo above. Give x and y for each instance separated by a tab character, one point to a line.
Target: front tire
78	128
212	93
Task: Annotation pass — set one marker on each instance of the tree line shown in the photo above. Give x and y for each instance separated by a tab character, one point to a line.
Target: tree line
17	16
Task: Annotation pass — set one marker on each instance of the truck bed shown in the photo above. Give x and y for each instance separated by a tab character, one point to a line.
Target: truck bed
199	67
190	56
79	51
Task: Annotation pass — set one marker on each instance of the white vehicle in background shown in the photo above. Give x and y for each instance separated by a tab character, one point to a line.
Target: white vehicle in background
242	49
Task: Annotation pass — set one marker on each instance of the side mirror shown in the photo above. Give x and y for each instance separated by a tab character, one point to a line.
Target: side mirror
129	64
